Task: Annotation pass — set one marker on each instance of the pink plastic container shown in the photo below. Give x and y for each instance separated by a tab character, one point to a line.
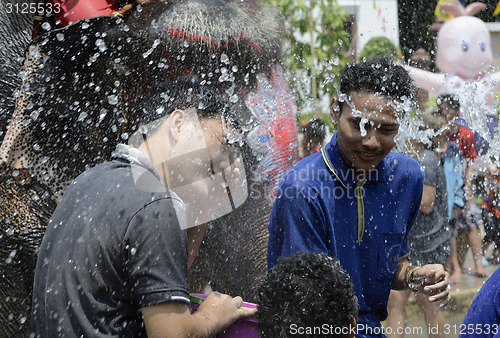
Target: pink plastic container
243	328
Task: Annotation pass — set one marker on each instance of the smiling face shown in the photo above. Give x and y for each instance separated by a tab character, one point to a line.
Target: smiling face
464	47
376	114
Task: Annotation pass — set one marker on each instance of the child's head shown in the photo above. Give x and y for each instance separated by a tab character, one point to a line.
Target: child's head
314	135
449	106
307	290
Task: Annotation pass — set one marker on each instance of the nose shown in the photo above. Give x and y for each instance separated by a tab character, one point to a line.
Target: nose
371	140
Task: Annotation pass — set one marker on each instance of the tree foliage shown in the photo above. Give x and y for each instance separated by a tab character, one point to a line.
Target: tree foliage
315	39
379	46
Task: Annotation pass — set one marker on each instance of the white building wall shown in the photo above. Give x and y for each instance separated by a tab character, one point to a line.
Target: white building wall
373	18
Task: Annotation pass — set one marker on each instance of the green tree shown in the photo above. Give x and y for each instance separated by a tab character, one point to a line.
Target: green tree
315	39
380	46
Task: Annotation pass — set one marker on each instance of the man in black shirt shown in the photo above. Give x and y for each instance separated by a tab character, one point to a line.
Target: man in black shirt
114	258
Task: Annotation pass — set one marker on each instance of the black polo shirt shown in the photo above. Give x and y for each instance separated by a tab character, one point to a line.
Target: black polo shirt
113	245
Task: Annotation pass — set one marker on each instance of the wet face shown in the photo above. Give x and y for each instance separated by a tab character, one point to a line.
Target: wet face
364	149
203	151
447	110
206	172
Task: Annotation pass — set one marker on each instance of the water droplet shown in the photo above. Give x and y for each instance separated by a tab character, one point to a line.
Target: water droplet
101	45
112	99
82	116
133	251
143	130
60	36
148	52
234	98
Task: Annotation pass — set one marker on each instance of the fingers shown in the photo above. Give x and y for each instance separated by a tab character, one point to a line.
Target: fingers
244	312
438	291
435	283
238	301
431	273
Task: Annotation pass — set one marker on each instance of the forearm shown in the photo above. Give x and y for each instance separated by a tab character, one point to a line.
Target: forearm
174	319
165	320
468	180
402	270
428	200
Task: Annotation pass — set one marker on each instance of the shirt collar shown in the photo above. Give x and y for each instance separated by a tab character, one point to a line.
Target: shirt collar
134	156
344	172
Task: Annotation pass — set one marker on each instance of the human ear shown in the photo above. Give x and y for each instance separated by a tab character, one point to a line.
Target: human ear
334	110
352	328
175	121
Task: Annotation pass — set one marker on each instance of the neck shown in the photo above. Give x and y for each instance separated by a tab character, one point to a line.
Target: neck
155	152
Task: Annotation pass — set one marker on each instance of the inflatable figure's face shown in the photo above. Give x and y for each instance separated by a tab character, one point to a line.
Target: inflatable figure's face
464	47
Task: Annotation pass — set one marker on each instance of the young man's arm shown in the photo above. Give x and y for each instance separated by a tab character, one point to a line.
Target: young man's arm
430	279
468	180
174	319
428	199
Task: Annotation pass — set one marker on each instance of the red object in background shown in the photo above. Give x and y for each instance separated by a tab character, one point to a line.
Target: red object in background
465	140
74	10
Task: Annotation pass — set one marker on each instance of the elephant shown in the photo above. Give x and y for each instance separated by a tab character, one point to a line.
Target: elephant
15	33
82	91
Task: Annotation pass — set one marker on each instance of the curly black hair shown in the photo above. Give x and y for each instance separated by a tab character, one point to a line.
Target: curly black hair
305	290
379	75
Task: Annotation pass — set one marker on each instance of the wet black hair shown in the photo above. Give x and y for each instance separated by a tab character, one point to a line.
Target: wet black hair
315	128
379	75
451	99
308	290
182	94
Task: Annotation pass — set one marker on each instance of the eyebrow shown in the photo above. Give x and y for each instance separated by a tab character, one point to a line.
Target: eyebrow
388	124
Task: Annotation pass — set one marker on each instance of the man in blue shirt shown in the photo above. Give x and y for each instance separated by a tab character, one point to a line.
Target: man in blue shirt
482	319
356	200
